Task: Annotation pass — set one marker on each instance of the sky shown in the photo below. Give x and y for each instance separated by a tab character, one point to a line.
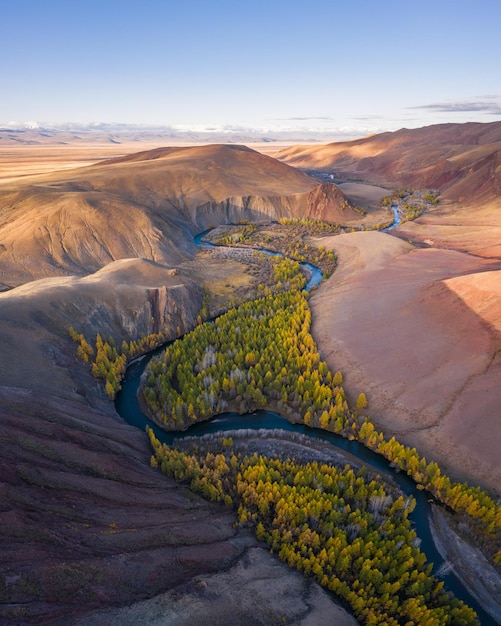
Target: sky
346	66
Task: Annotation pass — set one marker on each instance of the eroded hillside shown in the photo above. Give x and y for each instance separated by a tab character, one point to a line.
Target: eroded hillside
148	205
460	160
86	522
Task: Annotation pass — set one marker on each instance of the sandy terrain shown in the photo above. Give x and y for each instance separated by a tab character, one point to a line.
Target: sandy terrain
20	161
257	591
391	319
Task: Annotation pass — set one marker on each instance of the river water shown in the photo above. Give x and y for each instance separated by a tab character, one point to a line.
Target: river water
127	406
396	219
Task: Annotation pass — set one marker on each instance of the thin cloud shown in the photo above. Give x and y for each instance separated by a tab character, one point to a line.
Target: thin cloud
368	118
302	119
487	105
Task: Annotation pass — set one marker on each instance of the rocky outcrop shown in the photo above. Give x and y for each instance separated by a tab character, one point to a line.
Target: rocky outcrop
324	202
174	307
252	208
327	202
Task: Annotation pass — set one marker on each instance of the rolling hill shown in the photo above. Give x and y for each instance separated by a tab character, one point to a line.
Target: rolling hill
431	371
462	161
148	205
86	523
426	349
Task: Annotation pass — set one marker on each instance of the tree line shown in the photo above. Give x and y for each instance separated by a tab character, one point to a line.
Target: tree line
262	355
108	361
345	528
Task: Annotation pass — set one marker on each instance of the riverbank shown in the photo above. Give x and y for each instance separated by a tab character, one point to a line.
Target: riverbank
422	527
258	590
468	563
425	360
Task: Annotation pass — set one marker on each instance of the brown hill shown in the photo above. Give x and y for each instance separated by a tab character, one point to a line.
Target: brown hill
426	350
147	205
86	522
462	161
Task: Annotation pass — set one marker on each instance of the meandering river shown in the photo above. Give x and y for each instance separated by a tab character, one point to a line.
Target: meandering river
128	407
396	219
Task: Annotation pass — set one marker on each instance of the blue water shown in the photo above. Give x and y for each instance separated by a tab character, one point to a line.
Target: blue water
396	219
127	406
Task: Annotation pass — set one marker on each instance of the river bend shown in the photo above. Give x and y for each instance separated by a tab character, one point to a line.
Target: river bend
127	406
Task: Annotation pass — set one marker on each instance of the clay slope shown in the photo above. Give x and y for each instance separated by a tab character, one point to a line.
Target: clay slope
126	299
419	330
147	205
85	522
462	161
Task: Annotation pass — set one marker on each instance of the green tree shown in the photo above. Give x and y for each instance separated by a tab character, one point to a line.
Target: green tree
361	402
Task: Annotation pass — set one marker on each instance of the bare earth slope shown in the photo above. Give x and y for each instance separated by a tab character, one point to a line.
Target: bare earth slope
419	328
419	331
85	522
461	160
147	205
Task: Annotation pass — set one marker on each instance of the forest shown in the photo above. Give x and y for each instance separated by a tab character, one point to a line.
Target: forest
345	528
352	535
262	355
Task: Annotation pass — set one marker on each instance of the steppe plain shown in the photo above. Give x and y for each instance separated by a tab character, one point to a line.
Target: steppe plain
413	318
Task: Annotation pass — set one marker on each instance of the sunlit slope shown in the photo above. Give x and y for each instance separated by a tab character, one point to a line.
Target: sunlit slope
147	205
419	330
126	299
461	160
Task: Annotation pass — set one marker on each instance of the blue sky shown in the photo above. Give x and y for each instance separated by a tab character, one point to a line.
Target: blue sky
354	66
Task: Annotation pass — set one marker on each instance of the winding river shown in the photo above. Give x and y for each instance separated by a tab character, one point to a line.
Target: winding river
127	406
396	219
